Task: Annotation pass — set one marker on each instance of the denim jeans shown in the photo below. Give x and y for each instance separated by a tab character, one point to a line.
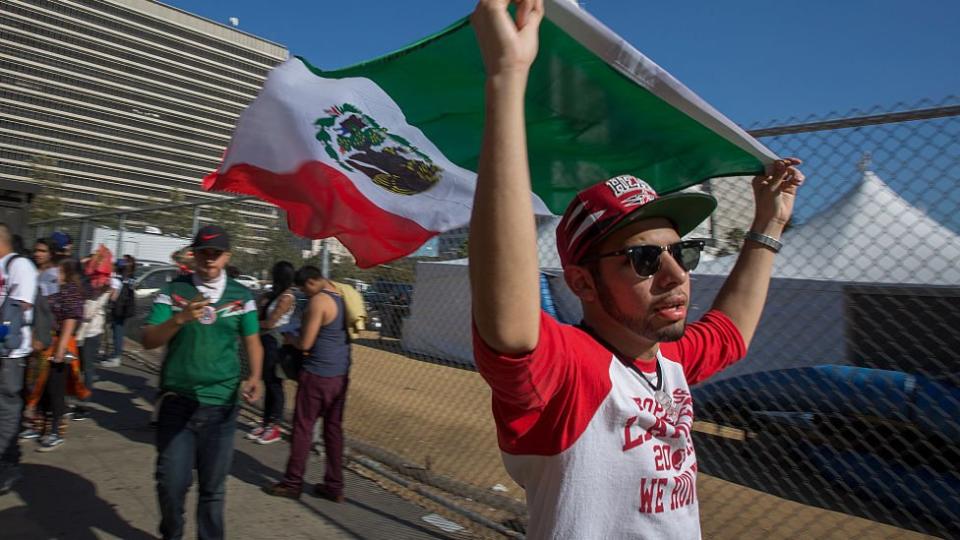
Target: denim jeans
11	407
89	354
117	328
190	435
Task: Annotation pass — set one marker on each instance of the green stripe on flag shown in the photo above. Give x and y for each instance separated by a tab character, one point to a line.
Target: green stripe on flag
586	121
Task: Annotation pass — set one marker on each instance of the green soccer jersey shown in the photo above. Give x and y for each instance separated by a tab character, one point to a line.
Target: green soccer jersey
202	360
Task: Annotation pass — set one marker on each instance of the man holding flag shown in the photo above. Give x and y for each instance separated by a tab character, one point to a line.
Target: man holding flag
594	421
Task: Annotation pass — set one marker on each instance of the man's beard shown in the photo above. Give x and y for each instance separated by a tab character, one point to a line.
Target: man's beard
637	324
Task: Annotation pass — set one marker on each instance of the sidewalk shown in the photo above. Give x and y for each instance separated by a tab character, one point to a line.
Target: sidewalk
100	484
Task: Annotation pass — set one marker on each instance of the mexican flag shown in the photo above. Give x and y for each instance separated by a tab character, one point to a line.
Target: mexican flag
382	155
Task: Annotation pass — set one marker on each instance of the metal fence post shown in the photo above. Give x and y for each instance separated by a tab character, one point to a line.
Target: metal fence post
196	221
325	259
83	243
123	220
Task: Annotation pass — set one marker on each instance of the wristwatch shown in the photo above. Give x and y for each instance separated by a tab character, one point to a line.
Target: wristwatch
768	241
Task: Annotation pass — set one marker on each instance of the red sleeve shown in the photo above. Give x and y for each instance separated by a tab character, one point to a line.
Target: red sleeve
543	400
708	346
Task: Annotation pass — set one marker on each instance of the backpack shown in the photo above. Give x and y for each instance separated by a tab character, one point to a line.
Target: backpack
125	305
11	313
291	361
355	312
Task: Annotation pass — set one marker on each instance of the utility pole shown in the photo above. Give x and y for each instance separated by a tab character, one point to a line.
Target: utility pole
196	221
324	259
123	222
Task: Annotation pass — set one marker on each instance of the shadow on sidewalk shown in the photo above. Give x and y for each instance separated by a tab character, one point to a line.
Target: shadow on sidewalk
249	470
75	512
367	513
129	418
352	518
356	517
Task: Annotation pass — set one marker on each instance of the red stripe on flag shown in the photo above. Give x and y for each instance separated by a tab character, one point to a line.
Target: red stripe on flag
321	202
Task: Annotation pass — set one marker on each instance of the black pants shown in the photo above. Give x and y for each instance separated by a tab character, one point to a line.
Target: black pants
52	400
273	385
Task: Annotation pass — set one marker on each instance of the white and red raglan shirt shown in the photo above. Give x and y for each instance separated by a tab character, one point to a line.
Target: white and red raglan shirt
598	456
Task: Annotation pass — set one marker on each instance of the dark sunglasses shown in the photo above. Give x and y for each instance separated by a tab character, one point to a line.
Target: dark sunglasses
646	259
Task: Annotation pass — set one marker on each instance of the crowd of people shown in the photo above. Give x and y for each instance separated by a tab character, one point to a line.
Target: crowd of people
55	312
57	309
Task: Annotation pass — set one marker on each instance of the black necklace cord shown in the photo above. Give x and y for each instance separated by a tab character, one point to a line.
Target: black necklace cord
626	360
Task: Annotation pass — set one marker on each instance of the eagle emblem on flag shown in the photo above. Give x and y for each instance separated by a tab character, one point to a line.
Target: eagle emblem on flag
358	143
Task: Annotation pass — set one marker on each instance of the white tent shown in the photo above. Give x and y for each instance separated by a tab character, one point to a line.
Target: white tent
440	319
869	236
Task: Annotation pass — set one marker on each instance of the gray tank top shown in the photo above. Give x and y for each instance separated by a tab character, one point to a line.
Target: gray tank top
330	354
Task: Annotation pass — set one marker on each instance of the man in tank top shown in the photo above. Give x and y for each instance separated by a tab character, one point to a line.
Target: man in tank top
321	389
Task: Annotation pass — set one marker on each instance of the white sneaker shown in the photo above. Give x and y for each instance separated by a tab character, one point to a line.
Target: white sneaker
111	362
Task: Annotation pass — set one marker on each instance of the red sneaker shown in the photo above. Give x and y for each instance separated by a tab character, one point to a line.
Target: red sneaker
256	433
270	435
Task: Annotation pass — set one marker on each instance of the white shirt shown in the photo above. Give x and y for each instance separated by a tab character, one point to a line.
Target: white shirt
49	281
211	290
285	318
20	284
601	450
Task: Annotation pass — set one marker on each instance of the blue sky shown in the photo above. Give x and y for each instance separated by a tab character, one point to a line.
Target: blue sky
756	61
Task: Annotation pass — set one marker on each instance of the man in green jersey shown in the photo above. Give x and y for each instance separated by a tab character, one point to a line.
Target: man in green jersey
199	317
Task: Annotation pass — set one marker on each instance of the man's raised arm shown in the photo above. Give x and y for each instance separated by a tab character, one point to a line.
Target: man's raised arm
503	238
745	291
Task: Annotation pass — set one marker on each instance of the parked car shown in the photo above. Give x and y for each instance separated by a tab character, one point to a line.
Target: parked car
150	281
388	302
249	282
146	284
864	441
145	266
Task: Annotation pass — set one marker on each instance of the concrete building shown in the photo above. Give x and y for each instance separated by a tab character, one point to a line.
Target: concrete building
129	99
338	252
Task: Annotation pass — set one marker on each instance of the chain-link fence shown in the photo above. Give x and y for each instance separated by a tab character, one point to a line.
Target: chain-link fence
841	422
848	399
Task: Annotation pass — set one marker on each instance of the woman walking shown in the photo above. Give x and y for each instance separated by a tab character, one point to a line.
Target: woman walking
276	308
59	364
97	291
122	307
